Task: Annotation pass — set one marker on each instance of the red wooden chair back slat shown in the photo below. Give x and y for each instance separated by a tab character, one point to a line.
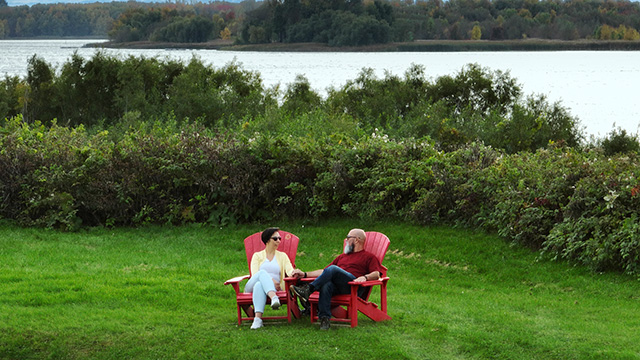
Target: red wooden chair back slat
377	244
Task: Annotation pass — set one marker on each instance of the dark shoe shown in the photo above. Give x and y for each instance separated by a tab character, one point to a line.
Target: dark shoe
302	292
325	323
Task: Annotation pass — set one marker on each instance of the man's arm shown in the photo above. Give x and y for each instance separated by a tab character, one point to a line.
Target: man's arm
315	273
300	274
374	275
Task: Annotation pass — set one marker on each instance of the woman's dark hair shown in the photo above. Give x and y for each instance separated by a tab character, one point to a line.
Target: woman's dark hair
266	235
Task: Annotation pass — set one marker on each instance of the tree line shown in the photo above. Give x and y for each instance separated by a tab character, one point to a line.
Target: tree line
477	104
517	19
179	23
123	21
59	20
333	22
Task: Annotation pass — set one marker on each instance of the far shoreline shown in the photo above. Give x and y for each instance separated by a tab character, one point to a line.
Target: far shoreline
414	46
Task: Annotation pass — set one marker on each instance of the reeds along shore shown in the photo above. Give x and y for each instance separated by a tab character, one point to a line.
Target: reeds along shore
419	46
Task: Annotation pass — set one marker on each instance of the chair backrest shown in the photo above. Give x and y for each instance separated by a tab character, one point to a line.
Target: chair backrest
288	245
377	244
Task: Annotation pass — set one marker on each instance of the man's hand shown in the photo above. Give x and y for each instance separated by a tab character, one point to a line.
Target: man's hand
366	277
297	273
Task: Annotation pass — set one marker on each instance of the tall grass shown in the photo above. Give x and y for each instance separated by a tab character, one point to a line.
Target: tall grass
157	292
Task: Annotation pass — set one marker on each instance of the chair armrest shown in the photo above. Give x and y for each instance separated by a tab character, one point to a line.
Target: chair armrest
235	282
236	279
292	280
380	281
288	281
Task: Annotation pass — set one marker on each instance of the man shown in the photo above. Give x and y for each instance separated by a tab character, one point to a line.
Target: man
355	264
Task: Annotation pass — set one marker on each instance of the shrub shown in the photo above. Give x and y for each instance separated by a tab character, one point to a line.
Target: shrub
619	142
10	92
521	196
38	166
100	90
299	98
577	205
598	228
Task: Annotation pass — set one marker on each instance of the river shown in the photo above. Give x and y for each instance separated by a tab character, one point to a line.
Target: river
600	88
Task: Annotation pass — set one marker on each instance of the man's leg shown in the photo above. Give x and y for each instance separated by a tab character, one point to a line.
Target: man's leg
334	281
337	276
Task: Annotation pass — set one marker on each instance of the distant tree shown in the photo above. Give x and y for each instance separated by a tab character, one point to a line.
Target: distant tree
257	34
11	90
185	30
225	34
134	24
4	29
631	34
619	142
381	11
300	97
41	95
476	33
604	32
335	22
3	3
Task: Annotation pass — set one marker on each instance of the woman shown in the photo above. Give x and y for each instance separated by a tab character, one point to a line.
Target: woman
269	268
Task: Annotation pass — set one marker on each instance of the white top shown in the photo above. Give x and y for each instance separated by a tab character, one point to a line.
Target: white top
272	268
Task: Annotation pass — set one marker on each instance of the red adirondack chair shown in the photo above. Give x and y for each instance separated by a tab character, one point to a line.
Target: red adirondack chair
345	308
253	244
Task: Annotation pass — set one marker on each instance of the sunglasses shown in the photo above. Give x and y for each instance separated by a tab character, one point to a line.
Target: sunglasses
276	238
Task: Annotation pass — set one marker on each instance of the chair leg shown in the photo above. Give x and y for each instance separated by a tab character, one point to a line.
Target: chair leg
383	298
248	309
313	312
293	310
353	306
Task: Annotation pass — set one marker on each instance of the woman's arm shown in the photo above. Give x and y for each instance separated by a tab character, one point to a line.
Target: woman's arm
256	259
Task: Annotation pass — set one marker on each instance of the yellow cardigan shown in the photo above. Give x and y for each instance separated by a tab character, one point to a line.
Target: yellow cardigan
283	261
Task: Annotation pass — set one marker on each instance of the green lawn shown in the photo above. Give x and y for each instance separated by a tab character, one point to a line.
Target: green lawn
157	292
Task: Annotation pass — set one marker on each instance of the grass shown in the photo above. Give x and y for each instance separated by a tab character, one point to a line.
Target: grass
157	292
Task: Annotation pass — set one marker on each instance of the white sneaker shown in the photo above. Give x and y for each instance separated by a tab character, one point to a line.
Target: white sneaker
257	323
275	303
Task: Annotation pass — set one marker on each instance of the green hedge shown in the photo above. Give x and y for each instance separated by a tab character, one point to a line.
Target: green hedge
579	205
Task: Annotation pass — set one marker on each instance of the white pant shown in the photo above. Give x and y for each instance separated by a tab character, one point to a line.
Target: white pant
260	284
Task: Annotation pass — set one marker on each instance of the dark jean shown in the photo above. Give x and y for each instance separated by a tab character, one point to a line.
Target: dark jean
333	281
